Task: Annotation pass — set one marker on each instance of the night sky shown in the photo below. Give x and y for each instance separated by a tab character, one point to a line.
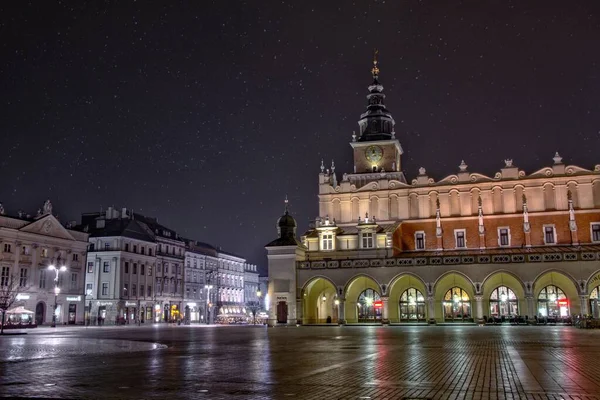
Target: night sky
206	117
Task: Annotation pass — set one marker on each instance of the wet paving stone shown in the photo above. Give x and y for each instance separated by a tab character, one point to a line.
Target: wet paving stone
253	362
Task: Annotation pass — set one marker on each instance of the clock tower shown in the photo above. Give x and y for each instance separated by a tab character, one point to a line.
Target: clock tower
376	149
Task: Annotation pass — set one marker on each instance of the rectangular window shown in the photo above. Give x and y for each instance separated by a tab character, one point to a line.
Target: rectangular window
503	237
25	251
134	248
549	235
44	252
149	270
595	232
105	289
91	248
420	240
126	289
7	248
126	246
149	252
23	277
88	288
73	281
106	246
134	290
142	250
90	267
367	240
327	242
141	290
134	268
4	276
460	239
166	268
126	267
142	271
106	266
42	279
149	291
75	257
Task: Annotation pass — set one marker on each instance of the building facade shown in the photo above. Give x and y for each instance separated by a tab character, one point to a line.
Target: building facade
120	268
29	245
469	247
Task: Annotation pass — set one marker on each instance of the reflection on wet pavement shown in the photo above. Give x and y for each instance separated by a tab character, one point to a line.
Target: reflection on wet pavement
303	363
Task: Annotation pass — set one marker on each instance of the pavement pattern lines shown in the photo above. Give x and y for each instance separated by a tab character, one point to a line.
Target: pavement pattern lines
449	362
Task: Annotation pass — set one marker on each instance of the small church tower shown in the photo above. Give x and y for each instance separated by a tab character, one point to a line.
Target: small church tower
282	255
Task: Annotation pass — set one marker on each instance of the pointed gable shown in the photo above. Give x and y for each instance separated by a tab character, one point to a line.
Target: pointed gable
47	226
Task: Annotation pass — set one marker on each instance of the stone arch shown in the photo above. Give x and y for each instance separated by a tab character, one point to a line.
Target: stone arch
397	286
454	202
503	278
475	194
549	196
394	206
314	308
445	282
592	282
561	280
519	190
355	208
413	205
433	198
374	207
497	203
352	290
337	209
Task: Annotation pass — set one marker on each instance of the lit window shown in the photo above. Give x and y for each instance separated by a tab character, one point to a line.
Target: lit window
90	267
367	240
459	236
595	232
549	234
503	237
7	248
420	240
327	242
23	277
106	266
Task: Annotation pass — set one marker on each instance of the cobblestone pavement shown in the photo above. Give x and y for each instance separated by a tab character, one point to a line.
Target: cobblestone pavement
254	362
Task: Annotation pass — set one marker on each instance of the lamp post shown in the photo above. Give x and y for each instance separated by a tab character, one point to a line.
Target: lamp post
56	290
207	287
256	306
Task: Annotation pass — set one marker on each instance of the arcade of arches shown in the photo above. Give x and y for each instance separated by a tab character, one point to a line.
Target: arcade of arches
453	297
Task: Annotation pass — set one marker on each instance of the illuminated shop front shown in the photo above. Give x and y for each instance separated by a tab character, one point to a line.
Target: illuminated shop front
503	302
457	306
369	306
412	306
552	302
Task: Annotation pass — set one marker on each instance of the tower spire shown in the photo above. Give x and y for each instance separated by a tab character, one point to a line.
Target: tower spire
286	201
377	122
375	69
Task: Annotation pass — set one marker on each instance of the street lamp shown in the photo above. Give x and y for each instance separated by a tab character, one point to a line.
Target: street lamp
256	306
207	287
56	290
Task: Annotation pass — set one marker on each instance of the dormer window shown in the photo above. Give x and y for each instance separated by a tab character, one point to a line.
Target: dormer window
549	234
367	240
420	240
327	241
459	237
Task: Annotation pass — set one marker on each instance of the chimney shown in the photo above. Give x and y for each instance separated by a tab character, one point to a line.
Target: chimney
124	213
109	213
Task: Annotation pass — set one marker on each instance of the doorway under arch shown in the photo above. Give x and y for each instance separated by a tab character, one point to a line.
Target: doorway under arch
40	312
318	302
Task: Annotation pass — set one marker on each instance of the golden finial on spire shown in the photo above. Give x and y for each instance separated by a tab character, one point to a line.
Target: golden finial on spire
375	70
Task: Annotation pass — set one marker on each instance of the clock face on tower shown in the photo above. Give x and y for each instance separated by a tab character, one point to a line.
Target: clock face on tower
373	153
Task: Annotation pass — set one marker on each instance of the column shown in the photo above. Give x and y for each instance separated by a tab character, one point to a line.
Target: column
431	309
299	310
342	311
584	299
384	311
530	307
479	301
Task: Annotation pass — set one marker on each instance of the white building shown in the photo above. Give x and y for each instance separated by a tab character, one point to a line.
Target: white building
120	268
28	246
197	290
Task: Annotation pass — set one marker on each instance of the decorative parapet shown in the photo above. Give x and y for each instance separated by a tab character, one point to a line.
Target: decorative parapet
450	260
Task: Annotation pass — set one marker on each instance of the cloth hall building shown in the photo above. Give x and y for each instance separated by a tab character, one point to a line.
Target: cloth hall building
385	249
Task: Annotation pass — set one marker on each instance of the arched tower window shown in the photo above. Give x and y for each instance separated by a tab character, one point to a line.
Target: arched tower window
457	305
369	306
553	303
503	303
412	306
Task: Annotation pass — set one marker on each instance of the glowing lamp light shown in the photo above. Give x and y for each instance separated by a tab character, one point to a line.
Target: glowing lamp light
456	298
552	297
369	301
411	300
324	298
337	302
503	296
